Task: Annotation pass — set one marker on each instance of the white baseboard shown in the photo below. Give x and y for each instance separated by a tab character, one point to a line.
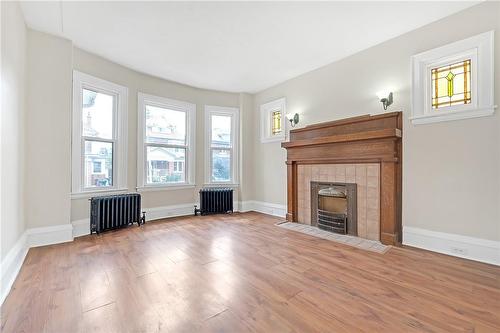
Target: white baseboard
82	227
32	237
157	213
11	265
477	249
263	207
49	235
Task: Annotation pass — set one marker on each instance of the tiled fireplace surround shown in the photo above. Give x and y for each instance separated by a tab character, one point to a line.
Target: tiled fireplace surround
367	178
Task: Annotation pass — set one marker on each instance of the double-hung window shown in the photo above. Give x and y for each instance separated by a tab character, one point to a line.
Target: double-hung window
99	135
221	138
166	142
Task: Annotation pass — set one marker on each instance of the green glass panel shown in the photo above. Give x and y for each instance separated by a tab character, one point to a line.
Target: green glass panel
450	77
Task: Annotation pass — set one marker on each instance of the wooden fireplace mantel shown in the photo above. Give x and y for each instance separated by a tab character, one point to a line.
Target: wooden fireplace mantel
363	139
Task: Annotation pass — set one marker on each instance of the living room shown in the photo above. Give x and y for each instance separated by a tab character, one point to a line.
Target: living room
260	166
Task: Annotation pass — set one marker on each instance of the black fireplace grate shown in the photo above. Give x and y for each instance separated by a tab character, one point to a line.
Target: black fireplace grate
334	222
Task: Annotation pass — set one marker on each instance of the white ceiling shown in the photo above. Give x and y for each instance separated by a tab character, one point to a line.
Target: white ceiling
230	46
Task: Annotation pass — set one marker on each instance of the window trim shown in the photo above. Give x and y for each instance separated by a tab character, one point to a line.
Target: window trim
266	110
234	112
120	129
190	165
480	50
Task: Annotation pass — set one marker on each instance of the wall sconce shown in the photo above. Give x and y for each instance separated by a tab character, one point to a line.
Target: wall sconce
385	98
293	119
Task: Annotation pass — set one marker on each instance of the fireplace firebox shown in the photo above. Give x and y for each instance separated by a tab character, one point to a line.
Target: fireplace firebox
333	207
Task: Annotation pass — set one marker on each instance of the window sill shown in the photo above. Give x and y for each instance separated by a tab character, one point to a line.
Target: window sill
165	188
232	185
280	138
90	194
453	115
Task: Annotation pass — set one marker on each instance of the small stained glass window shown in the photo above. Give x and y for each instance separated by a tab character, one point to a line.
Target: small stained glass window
451	84
275	122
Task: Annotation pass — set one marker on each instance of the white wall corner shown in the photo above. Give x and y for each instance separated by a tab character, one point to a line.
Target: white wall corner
245	206
11	265
483	250
81	227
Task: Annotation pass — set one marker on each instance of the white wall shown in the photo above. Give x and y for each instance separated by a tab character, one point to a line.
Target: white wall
451	170
48	130
247	118
12	126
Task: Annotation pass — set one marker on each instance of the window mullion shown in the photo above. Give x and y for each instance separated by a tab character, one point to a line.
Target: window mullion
95	139
164	145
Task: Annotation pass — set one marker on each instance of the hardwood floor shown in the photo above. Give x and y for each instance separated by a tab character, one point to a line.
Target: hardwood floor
241	273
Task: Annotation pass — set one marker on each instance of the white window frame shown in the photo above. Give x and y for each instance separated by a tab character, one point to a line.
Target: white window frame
234	113
266	134
119	140
480	50
189	167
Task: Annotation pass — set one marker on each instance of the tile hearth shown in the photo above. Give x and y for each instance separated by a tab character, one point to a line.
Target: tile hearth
361	243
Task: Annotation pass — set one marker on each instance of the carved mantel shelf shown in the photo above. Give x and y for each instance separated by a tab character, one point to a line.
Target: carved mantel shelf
368	135
363	139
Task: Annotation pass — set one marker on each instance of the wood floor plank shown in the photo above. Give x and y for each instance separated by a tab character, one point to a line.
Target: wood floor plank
241	273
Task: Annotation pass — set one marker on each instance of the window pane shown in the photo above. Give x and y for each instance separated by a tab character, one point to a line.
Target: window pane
221	165
165	126
451	84
221	131
97	114
98	164
165	165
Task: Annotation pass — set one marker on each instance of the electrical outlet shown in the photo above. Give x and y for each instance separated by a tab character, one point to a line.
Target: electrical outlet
459	250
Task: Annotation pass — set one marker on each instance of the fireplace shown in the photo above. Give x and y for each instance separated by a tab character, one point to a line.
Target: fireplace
348	145
333	207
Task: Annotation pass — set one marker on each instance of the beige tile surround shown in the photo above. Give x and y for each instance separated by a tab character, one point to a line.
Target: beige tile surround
366	176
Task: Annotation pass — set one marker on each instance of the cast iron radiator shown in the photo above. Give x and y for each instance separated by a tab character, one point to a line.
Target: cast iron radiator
215	200
115	211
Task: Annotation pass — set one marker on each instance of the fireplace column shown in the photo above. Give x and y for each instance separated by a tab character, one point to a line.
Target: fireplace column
389	188
291	170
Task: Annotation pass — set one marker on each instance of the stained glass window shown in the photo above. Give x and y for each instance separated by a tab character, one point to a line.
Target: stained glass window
451	84
275	122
